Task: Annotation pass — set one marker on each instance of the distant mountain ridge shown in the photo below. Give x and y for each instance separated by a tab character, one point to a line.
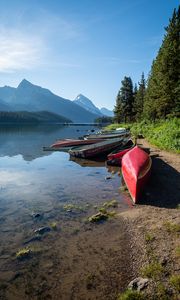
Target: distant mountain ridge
107	112
33	98
86	103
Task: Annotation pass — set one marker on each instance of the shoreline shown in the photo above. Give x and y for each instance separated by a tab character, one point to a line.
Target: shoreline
154	226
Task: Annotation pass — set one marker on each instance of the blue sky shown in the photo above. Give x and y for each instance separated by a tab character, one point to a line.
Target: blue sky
80	46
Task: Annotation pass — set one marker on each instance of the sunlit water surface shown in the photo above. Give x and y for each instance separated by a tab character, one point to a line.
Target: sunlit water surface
33	181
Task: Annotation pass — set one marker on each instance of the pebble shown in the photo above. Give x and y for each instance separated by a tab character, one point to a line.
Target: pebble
108	177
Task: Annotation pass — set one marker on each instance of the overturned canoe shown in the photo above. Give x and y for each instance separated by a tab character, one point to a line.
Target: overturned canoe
136	169
115	157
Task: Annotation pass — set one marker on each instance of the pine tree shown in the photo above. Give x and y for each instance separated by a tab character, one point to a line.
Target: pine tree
124	102
162	96
139	95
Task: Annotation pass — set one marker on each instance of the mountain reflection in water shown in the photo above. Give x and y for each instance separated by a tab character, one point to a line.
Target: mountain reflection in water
29	140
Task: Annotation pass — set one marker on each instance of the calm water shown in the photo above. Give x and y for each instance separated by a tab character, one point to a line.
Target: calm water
33	181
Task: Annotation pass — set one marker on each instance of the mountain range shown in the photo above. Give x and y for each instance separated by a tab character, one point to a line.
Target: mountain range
33	98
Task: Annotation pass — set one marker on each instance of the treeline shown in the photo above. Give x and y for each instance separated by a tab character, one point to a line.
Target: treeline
159	96
24	117
104	120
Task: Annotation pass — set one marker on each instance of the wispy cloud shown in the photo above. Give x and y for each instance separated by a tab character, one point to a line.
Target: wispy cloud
33	42
18	51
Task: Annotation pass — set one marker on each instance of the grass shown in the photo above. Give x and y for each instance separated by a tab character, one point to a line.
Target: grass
177	251
175	282
153	270
163	134
172	227
149	237
131	295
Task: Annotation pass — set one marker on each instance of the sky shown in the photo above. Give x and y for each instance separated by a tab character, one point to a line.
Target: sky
80	46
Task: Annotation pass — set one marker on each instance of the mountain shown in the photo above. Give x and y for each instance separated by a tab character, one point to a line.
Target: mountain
107	112
87	104
30	97
4	106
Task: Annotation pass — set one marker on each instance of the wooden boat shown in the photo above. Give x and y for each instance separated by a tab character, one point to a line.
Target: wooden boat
61	149
96	149
115	157
69	143
107	135
136	169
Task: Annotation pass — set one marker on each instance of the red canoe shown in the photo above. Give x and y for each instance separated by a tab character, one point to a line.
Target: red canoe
73	143
115	157
136	169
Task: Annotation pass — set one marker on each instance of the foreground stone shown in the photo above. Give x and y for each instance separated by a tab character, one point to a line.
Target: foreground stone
138	284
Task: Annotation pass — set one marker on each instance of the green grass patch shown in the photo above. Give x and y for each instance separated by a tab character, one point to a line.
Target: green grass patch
163	134
172	227
149	237
131	295
175	282
177	251
153	270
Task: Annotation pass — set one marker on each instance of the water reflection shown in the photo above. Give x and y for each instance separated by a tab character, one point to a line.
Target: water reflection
35	182
29	140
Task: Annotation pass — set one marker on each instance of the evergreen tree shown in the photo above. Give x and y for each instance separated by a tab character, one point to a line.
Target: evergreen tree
163	89
124	102
139	95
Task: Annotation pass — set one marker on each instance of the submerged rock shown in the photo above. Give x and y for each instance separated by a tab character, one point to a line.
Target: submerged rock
138	283
42	230
37	215
36	238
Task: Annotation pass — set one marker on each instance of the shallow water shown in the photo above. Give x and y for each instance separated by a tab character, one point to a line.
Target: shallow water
36	182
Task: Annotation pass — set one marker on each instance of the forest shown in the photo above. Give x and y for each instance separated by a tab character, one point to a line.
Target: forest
24	117
159	96
154	104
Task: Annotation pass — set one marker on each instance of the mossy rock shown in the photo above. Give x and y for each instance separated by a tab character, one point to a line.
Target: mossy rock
23	253
98	217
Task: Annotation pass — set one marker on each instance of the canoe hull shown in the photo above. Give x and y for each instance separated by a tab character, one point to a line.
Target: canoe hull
116	160
136	170
73	143
115	157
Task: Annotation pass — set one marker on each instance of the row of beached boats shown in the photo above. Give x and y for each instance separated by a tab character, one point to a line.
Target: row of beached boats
119	150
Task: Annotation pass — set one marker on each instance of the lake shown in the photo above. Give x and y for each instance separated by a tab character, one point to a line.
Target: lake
48	189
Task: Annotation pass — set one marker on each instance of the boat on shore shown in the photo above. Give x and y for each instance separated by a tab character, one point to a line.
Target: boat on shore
69	143
108	135
136	170
115	157
96	149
